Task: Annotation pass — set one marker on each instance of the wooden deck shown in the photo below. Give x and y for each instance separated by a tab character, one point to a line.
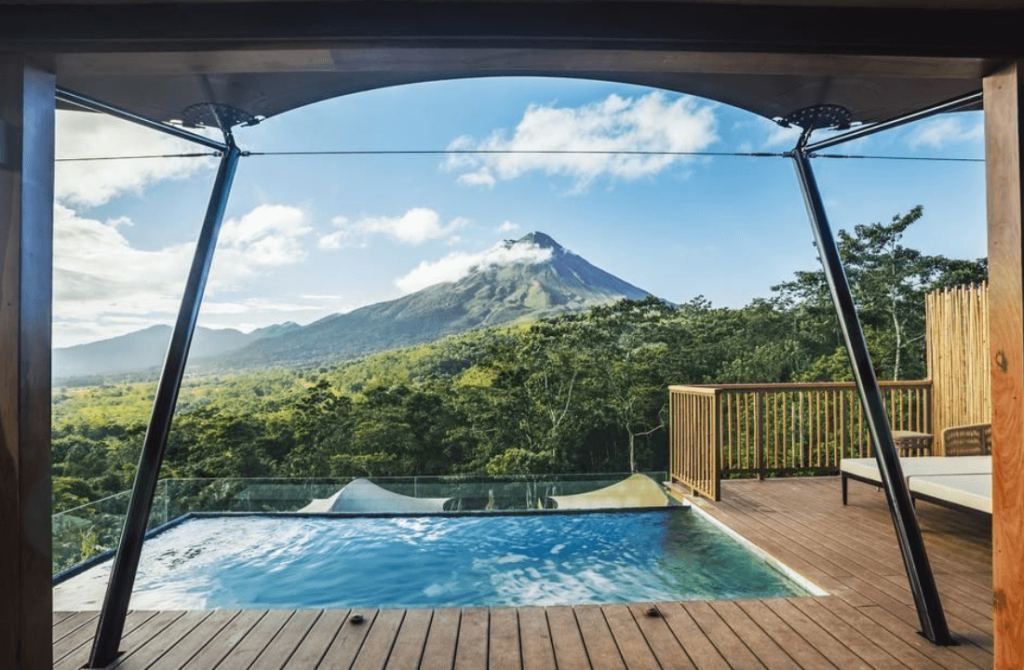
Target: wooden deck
867	623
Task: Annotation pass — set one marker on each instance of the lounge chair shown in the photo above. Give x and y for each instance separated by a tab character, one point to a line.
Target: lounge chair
975	440
866	469
957	491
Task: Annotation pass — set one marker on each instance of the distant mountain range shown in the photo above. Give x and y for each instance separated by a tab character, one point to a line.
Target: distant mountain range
534	277
146	348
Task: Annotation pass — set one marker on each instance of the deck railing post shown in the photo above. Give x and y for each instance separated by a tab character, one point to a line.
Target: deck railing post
915	557
126	561
759	433
717	445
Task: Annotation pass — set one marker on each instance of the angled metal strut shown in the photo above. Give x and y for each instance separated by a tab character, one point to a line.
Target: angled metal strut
126	561
901	508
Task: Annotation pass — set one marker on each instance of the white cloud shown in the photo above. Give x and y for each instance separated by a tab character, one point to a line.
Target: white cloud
936	133
459	264
335	240
103	286
508	227
654	122
782	136
260	312
416	226
92	183
269	236
481	178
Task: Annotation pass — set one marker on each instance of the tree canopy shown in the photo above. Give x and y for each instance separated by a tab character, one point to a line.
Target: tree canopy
583	392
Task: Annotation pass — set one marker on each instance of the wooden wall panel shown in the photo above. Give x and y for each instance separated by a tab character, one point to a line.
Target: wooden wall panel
26	249
1003	99
957	339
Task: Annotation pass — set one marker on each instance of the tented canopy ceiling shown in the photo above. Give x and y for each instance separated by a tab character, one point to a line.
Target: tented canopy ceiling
255	85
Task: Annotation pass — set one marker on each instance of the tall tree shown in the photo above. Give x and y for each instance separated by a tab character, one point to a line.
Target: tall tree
889	282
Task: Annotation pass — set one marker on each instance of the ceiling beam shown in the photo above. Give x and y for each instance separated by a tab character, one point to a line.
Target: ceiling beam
609	25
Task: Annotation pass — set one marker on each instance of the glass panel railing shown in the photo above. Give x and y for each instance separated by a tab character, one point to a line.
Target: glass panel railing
455	493
89	530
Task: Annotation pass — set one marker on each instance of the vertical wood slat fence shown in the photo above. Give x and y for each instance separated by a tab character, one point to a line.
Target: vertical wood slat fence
693	430
779	429
958	358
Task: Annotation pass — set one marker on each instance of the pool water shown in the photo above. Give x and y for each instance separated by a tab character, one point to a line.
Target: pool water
547	559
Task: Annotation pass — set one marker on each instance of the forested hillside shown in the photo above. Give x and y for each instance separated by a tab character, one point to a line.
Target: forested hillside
573	393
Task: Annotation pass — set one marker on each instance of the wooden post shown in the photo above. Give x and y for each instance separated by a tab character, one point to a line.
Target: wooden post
759	433
1004	103
26	249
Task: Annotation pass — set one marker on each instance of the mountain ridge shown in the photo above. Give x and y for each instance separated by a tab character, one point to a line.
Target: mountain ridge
536	278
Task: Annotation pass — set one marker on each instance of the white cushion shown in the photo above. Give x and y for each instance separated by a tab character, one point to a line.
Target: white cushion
974	491
867	468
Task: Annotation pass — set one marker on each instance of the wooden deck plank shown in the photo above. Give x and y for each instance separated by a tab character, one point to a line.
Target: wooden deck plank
61	616
379	641
134	639
870	650
884	558
83	621
188	646
83	636
143	655
535	637
504	650
597	638
636	653
866	529
905	613
471	650
74	623
439	651
701	650
225	641
412	637
255	640
733	651
791	642
344	649
966	650
280	649
767	651
316	643
966	607
814	636
912	650
667	648
570	653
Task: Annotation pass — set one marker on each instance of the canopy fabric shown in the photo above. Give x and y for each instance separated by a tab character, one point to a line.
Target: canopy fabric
172	87
635	491
362	495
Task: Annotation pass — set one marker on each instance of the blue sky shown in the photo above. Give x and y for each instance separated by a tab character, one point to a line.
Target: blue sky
307	236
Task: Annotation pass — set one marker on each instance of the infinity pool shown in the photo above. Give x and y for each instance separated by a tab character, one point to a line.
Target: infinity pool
544	559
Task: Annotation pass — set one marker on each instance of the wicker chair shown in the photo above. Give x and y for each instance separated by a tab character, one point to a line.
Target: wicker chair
973	440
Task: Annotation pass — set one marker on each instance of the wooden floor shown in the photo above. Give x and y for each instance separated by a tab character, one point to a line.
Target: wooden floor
867	622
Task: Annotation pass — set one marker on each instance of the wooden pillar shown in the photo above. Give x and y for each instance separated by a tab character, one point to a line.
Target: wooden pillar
26	250
1003	108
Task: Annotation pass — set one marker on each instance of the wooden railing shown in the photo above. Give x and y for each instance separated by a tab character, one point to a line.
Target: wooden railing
779	429
694	439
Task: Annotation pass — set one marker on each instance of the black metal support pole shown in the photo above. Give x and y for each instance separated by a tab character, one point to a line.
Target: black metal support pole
915	558
953	105
126	562
92	105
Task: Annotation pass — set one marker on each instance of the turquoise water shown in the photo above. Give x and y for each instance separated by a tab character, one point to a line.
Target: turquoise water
266	562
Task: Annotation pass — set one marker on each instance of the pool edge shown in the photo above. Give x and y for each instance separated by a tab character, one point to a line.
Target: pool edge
804	582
